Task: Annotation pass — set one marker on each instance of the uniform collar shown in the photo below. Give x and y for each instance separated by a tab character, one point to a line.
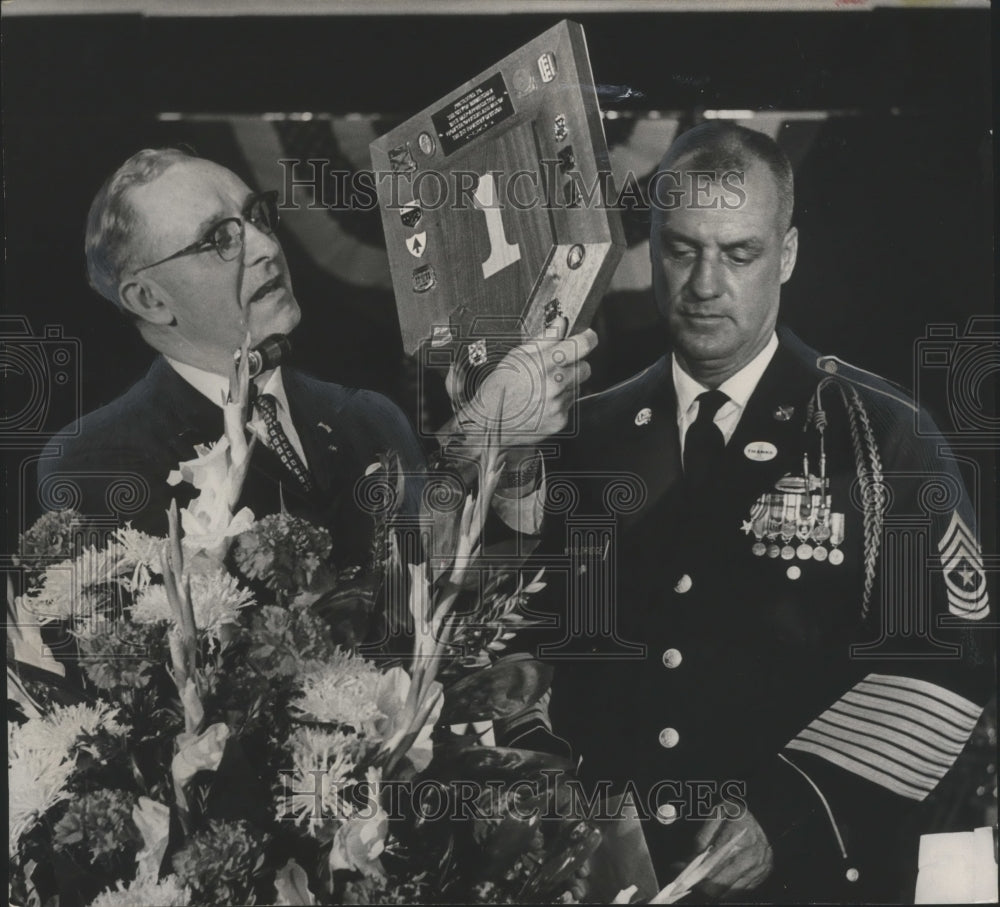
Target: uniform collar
215	386
737	387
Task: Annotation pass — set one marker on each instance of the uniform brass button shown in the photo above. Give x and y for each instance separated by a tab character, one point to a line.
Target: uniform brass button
669	738
672	658
666	813
683	584
852	874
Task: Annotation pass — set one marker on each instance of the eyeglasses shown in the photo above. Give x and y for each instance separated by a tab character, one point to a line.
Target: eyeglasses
228	235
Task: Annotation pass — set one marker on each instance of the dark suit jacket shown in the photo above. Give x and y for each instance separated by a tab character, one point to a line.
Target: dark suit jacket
765	656
112	464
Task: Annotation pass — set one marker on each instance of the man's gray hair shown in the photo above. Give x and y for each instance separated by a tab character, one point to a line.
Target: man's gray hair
111	221
723	146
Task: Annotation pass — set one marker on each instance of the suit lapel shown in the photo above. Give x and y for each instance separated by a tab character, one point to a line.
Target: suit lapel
189	416
323	447
639	436
192	418
664	470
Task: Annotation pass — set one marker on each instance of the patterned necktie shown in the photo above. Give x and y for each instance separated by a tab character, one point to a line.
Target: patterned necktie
267	406
704	443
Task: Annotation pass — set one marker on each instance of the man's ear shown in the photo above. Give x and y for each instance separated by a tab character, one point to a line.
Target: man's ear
789	252
144	299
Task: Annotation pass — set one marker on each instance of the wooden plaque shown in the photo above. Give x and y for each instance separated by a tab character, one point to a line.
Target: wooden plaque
494	202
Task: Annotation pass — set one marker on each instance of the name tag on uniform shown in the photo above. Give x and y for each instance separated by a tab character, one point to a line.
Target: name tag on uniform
760	451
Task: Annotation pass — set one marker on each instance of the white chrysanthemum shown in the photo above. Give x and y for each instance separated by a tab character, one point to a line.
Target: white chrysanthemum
138	553
58	731
145	891
36	779
216	598
342	690
323	762
64	585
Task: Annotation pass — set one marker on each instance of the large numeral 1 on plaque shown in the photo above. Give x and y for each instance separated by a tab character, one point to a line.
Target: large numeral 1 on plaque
502	253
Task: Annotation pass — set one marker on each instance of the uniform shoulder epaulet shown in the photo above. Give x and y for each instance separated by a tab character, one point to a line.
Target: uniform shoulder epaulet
863	379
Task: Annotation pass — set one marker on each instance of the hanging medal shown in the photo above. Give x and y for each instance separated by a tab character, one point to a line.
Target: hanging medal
836	538
758	524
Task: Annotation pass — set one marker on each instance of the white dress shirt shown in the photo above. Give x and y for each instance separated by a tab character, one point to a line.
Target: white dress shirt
215	387
737	387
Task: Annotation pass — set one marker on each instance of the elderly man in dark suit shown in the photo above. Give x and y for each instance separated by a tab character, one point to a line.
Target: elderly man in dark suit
798	602
184	248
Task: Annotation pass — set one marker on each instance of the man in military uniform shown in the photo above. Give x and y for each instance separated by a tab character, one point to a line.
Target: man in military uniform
798	653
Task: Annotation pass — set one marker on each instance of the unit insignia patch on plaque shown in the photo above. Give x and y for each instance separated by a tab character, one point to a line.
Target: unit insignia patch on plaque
547	66
410	214
401	160
424	279
559	128
417	243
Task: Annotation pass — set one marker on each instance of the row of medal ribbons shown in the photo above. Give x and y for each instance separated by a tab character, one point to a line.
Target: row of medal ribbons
796	524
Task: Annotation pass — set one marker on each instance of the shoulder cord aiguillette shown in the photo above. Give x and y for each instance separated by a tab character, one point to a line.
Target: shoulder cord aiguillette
868	467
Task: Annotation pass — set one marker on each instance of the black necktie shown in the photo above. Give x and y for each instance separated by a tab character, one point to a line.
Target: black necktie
704	443
267	406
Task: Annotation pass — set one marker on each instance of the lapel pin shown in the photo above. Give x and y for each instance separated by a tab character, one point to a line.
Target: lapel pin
644	416
784	413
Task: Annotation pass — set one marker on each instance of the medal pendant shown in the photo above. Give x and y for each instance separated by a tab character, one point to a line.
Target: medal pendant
819	553
773	550
787	553
836	557
836	529
804	552
759	549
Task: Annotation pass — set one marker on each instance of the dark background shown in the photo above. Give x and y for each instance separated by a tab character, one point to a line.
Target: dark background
894	200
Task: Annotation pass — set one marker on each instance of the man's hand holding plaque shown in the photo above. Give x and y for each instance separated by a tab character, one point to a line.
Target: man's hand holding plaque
528	395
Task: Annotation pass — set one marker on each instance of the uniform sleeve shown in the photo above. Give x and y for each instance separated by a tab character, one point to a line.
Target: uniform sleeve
914	690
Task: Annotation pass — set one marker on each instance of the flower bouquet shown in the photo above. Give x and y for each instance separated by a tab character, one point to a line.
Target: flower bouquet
222	735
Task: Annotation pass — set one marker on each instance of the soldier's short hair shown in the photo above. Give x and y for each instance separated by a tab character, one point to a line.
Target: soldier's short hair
723	146
111	221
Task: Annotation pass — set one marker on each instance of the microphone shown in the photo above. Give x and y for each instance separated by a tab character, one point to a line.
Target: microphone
268	354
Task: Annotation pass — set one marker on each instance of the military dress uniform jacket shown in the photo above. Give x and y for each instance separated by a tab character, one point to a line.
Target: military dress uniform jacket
113	464
721	676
